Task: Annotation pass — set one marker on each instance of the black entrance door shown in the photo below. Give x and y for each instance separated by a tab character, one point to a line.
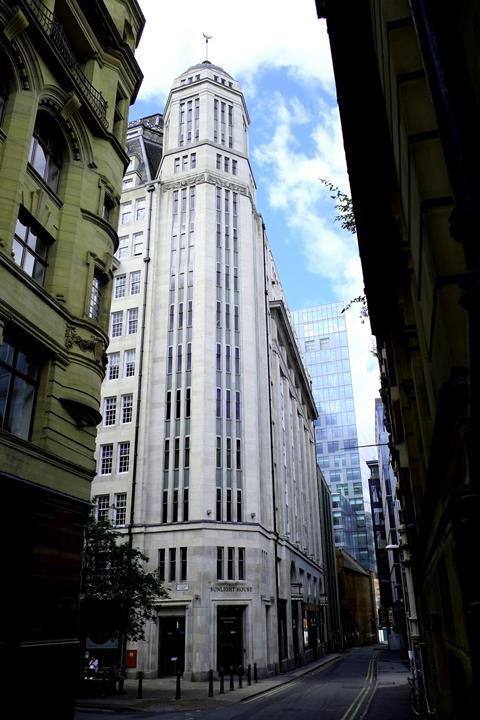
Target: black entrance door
171	649
229	637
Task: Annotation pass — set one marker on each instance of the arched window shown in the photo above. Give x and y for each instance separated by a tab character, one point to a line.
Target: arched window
47	150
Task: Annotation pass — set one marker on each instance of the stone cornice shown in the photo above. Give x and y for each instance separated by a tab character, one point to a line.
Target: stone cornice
211	179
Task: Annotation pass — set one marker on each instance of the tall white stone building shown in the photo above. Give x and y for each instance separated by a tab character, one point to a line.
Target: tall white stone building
206	453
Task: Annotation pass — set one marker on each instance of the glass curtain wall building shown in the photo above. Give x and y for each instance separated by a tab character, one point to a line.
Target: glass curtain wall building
322	335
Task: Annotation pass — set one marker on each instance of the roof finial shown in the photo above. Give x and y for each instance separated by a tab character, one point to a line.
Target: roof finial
207	38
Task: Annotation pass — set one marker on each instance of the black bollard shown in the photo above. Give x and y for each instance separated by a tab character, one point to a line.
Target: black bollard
178	694
249	674
140	685
240	673
222	687
210	683
232	686
255	675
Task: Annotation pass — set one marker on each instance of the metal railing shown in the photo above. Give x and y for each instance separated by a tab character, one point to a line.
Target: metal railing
54	30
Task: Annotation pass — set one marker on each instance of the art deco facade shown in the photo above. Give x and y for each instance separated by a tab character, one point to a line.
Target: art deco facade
206	455
408	87
322	334
67	77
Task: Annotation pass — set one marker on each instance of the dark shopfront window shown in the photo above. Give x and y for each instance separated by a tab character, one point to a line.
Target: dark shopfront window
19	369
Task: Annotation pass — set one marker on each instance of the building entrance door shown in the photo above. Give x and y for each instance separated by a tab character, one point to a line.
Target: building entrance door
171	646
229	636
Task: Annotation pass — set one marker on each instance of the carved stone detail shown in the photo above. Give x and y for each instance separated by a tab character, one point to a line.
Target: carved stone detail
96	345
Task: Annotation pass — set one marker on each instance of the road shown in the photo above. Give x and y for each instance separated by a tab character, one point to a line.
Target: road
334	693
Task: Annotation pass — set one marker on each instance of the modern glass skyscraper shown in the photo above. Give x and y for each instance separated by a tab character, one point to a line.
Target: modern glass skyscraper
322	334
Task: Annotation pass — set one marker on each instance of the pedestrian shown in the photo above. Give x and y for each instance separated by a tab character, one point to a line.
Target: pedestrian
93	666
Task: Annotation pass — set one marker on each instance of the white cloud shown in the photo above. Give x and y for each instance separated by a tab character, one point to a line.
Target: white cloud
245	38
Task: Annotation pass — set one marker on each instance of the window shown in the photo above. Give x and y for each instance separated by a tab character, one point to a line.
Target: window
219	315
106	459
179	358
180	316
241	563
219	563
229	453
46	151
219	162
170	359
123	247
190	313
161	564
237	361
226	164
120	509
164	506
125	213
178	404
238	457
219	276
120	285
126	408
185	504
175	505
95	295
177	165
123	457
132	320
140	209
227	316
135	282
236	325
229	505
138	243
183	563
218	512
193	161
129	363
184	162
113	365
219	357
103	506
188	393
109	411
230	563
30	249
237	405
116	323
186	453
172	569
239	506
219	402
168	406
227	358
18	385
166	454
234	167
189	356
218	452
228	411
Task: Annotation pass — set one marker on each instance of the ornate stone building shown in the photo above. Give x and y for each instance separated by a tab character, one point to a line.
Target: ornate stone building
206	455
68	75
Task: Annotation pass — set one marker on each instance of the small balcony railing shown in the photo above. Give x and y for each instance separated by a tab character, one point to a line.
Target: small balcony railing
54	30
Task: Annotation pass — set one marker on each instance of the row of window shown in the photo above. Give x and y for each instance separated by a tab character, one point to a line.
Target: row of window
188	358
120	287
176	496
235	559
189	121
228	324
130	246
228	359
224	161
230	451
110	406
105	465
223	512
131	210
185	162
180	315
223	123
228	404
227	275
113	369
171	575
176	453
178	404
116	322
116	514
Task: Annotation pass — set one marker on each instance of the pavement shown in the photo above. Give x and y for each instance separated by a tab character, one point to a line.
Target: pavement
390	699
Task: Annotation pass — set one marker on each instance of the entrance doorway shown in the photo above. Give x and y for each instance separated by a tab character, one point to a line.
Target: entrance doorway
171	646
229	636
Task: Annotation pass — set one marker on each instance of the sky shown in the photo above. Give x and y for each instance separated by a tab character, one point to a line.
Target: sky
280	54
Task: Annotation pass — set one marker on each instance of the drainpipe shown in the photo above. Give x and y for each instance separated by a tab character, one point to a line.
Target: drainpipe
146	260
277	593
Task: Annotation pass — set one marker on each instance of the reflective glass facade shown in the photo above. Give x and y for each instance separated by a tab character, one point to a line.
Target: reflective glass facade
322	334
